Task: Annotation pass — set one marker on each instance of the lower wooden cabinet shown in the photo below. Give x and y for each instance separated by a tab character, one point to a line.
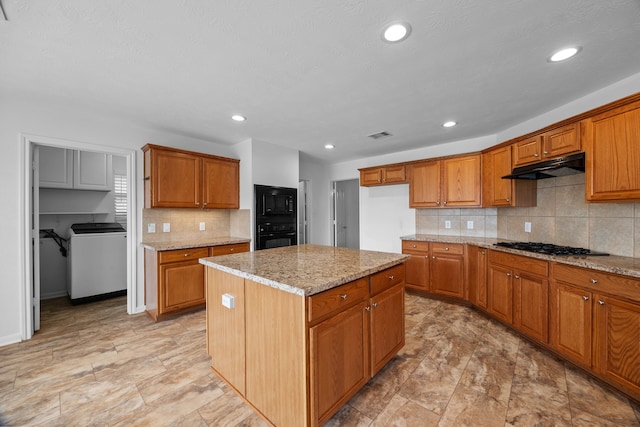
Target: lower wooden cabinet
477	276
447	269
417	267
174	279
387	326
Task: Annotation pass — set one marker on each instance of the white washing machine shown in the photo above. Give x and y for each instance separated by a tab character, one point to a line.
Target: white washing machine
97	261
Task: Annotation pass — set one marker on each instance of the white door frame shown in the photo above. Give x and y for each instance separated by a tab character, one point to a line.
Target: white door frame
28	141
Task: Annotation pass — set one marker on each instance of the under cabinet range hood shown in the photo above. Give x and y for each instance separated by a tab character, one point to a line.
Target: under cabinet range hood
561	166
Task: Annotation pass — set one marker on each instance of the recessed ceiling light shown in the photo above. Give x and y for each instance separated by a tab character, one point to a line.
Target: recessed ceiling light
449	124
329	146
564	54
396	32
238	118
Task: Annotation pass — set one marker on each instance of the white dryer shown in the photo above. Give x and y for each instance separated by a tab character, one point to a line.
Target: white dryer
97	261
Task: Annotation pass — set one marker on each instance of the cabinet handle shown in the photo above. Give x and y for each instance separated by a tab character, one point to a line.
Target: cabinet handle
375	304
546	152
517	277
508	274
536	155
392	277
367	308
343	296
600	302
593	281
586	298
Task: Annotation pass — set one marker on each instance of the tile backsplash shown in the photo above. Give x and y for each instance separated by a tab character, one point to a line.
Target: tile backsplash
185	224
561	217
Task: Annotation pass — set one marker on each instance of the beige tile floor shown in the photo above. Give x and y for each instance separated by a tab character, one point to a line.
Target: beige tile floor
95	365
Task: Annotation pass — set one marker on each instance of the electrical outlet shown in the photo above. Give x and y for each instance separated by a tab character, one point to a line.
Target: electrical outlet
527	227
469	225
203	226
166	227
151	228
447	224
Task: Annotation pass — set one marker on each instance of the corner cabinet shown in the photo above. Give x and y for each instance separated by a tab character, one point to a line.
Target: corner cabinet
183	179
447	183
498	192
382	175
613	155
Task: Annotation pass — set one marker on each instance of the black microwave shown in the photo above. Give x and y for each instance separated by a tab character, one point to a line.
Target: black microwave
275	201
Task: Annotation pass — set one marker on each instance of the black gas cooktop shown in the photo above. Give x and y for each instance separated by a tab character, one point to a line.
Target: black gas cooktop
549	249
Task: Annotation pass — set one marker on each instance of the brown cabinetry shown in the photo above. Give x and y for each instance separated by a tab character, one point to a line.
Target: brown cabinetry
595	319
547	145
417	267
447	269
613	154
174	279
498	192
477	276
183	179
518	292
447	183
382	175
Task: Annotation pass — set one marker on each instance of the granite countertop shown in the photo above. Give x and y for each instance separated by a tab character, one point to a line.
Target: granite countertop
194	243
625	266
304	269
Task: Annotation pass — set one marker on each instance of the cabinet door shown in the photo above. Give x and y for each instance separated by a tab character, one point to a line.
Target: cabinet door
175	180
461	181
92	171
183	285
387	326
55	167
477	276
617	341
424	185
561	141
495	165
393	174
570	322
339	360
500	292
527	151
612	155
417	271
447	275
371	177
220	184
531	311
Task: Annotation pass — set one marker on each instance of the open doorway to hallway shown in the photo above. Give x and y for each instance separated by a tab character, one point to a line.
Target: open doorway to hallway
346	214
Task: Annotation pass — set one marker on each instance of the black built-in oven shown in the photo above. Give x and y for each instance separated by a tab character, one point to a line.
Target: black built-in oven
276	217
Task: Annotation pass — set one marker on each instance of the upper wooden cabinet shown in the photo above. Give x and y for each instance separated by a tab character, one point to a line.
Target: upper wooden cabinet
447	183
498	192
183	179
547	145
382	175
611	143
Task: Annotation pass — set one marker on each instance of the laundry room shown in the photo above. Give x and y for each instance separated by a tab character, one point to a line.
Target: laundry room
81	209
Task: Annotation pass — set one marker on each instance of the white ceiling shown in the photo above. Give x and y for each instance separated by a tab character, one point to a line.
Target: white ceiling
309	72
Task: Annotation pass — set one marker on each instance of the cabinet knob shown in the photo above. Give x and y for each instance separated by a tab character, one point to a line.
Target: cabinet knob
445	203
204	204
343	296
516	276
508	200
536	155
367	308
433	257
392	277
438	203
600	302
483	253
586	298
508	274
546	152
186	254
375	304
415	246
593	281
446	249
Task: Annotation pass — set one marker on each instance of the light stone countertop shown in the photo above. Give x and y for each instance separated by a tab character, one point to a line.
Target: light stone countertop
193	243
304	269
625	266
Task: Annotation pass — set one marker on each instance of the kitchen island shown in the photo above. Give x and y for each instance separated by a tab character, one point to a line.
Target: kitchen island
297	331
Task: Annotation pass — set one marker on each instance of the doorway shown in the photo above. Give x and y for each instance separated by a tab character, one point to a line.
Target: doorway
33	215
346	213
304	187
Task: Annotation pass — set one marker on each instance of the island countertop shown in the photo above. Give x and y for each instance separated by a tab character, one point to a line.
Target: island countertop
304	269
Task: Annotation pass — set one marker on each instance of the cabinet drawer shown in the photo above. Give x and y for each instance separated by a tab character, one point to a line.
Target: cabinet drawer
520	263
387	278
413	246
182	255
229	249
620	286
447	248
337	299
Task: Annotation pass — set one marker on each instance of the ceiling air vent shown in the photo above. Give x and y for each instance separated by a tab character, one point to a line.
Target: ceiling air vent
379	135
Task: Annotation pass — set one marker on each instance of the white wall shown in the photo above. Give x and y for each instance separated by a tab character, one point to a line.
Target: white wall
275	165
51	119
